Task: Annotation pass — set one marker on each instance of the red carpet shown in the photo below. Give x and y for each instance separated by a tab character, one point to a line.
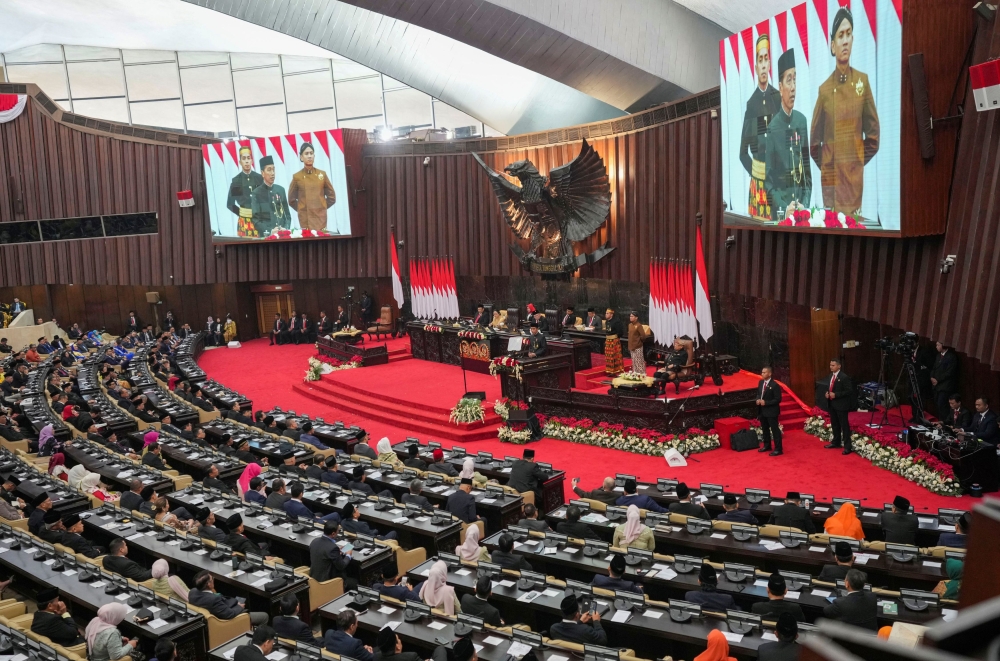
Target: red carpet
806	466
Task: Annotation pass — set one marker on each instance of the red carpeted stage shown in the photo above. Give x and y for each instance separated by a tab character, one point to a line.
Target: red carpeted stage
410	397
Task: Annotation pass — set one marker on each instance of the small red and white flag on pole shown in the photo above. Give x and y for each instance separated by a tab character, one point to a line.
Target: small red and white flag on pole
185	198
703	307
397	280
985	80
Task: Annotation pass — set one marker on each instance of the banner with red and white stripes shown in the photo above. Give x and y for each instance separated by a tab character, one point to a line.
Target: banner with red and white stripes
671	300
433	293
11	106
985	79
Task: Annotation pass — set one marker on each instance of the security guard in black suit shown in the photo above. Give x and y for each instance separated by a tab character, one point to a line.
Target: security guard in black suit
840	395
537	346
768	408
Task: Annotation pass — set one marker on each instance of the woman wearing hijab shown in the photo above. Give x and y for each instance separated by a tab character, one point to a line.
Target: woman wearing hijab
104	640
91	484
47	441
76	475
243	484
166	584
633	533
949	589
845	523
149	438
386	454
471	551
436	592
469	472
69	412
718	648
57	466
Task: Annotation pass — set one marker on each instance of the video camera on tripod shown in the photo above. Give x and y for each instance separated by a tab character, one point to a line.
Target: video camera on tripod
903	345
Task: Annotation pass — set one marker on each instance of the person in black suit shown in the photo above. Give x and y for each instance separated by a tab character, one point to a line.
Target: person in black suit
576	628
116	562
957	418
956	540
709	596
308	329
733	512
278	330
292	428
208	529
984	423
786	648
768	408
569	319
462	503
606	494
858	607
845	562
325	325
478	604
413	497
776	605
531	520
614	580
212	481
413	459
537	346
682	506
389	647
152	457
333	476
132	324
573	527
392	586
793	514
261	644
290	625
505	556
326	560
526	475
944	377
203	595
53	621
131	500
294	326
72	537
277	498
480	318
341	640
342	320
839	395
592	321
899	526
299	330
440	465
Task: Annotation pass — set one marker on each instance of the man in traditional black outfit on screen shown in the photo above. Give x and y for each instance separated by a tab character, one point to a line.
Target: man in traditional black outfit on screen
788	177
269	203
762	105
240	191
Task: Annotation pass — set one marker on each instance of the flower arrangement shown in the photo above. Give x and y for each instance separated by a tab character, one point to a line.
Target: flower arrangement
467	410
281	233
502	407
820	218
885	450
314	372
619	437
757	429
506	365
431	328
518	435
471	335
632	376
320	364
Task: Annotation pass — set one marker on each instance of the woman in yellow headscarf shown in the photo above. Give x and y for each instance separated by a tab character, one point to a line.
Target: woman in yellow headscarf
229	330
845	523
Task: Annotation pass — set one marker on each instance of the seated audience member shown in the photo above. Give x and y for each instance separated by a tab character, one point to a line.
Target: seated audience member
733	513
858	607
708	596
436	593
243	452
362	449
152	457
504	555
289	625
531	520
462	503
575	627
845	523
327	561
73	537
393	586
340	639
478	479
606	494
389	647
131	500
52	528
777	604
212	481
386	454
277	498
717	649
261	645
298	510
333	476
358	483
478	604
350	521
440	465
207	528
165	650
413	497
162	513
166	583
956	540
203	595
256	492
785	648
573	526
53	621
643	502
633	533
413	459
950	588
116	562
237	540
309	438
685	506
845	561
899	526
614	580
314	471
250	471
792	514
104	641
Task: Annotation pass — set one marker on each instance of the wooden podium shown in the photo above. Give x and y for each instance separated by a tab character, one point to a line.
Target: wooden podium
552	371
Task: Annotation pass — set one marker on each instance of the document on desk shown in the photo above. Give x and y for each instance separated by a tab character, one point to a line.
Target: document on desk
276	656
505	470
821	593
488	501
463	572
157	623
718	535
767	635
550	550
135	536
400	519
529	597
932	564
503	584
437	625
732	637
387	610
261	582
760	583
792	595
493	641
817	549
229	654
621	616
653	615
552	593
517	650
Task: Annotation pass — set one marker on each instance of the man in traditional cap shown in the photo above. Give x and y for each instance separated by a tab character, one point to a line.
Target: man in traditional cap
439	465
900	525
117	562
350	521
592	321
845	561
537	346
147	494
391	647
207	529
240	191
957	539
462	503
733	513
762	105
845	125
478	604
42	504
575	627
52	528
269	204
788	177
686	506
237	541
776	604
394	586
333	476
526	475
73	537
9	491
53	621
311	192
792	514
785	649
615	580
708	596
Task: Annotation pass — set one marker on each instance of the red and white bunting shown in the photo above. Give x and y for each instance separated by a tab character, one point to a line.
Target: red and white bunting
986	84
11	106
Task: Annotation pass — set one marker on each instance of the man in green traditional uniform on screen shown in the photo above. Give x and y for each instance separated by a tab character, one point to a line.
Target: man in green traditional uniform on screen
269	203
788	179
240	191
762	105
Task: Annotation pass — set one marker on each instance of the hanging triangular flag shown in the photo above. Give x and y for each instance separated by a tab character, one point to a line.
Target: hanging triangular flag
703	306
397	282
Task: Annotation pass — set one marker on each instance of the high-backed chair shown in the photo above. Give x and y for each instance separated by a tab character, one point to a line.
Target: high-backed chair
383	325
220	631
690	371
321	592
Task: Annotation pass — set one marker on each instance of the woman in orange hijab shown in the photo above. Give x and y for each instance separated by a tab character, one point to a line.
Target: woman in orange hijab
717	650
845	523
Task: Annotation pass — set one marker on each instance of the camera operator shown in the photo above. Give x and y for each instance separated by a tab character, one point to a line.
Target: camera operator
944	378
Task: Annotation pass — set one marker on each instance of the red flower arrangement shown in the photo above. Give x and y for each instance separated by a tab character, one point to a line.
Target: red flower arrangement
801	218
333	362
431	328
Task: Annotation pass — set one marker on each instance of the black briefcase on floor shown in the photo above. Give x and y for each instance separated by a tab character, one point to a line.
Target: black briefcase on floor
744	439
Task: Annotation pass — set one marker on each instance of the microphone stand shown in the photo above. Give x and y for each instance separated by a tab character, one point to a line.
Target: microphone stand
683	404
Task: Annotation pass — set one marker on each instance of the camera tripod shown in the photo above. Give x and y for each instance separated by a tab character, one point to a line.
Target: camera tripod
911	372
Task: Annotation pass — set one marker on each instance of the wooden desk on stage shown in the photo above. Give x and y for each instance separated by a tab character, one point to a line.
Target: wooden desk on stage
554	371
346	351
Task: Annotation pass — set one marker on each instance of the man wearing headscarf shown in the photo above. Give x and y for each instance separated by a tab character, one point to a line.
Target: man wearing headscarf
708	596
845	523
718	648
436	592
575	627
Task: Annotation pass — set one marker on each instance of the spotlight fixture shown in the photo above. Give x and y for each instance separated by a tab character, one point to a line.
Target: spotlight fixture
427	161
987	11
730	241
948	263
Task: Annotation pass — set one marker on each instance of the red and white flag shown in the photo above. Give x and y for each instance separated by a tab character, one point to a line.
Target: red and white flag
985	80
453	311
397	281
11	106
703	306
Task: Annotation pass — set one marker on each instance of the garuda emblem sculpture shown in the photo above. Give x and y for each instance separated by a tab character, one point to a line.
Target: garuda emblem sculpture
553	213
